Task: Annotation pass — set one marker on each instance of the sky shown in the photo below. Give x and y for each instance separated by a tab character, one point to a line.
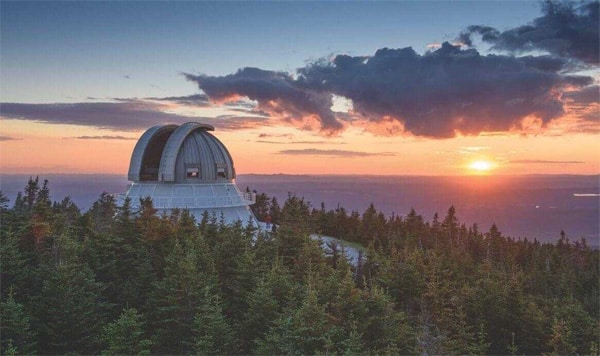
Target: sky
378	88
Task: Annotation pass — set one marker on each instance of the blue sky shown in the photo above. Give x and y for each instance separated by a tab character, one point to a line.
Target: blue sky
92	46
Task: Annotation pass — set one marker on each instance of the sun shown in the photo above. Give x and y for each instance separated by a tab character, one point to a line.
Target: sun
480	166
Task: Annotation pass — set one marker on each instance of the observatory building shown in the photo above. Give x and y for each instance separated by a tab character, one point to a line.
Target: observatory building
186	167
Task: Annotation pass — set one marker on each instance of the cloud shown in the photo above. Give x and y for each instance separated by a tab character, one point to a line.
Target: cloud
563	30
333	153
190	100
450	90
265	135
585	96
123	115
541	161
104	137
276	93
299	142
126	115
234	122
289	141
438	94
9	138
471	149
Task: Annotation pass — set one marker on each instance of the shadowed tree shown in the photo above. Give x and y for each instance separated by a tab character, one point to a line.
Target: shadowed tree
69	309
17	337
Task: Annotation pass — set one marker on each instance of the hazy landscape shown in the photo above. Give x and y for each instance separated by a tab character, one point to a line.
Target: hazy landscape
532	206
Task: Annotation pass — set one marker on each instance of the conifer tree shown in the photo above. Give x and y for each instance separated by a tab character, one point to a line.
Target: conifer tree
15	270
263	310
293	231
301	331
175	299
134	268
212	333
16	335
561	342
353	345
125	336
70	310
384	329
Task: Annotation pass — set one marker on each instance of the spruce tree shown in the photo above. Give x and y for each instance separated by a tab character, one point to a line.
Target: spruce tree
16	335
302	331
125	336
69	309
213	334
175	299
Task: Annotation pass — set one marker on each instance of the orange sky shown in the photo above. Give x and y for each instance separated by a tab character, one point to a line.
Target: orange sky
37	148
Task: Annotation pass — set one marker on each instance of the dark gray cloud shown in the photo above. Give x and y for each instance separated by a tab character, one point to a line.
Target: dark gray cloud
333	153
564	29
437	94
104	137
541	161
123	115
276	93
9	138
585	96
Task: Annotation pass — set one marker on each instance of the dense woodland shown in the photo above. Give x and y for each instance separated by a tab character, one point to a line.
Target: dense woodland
116	281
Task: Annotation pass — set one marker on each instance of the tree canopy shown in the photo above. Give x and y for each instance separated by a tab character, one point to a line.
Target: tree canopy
112	280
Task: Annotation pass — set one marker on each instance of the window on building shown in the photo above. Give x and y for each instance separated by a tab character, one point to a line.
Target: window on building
193	172
221	173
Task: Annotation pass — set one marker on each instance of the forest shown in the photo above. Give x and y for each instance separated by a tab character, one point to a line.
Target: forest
112	280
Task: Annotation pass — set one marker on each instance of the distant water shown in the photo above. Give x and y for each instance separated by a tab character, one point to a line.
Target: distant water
530	206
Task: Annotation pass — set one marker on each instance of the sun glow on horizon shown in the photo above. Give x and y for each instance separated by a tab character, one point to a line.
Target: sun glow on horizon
481	166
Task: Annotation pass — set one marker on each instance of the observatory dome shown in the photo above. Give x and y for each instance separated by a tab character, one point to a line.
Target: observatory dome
181	154
186	167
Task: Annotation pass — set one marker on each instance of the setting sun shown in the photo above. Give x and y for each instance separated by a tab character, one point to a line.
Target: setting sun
480	166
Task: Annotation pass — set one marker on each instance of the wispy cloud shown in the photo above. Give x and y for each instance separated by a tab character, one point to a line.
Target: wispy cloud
541	161
233	122
9	138
103	137
122	114
265	135
190	100
125	115
299	142
471	149
333	153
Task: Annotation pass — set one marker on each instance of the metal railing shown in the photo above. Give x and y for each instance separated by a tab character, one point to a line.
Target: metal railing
250	197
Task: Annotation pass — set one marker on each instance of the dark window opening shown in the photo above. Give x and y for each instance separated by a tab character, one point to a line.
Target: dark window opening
153	154
193	172
221	173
